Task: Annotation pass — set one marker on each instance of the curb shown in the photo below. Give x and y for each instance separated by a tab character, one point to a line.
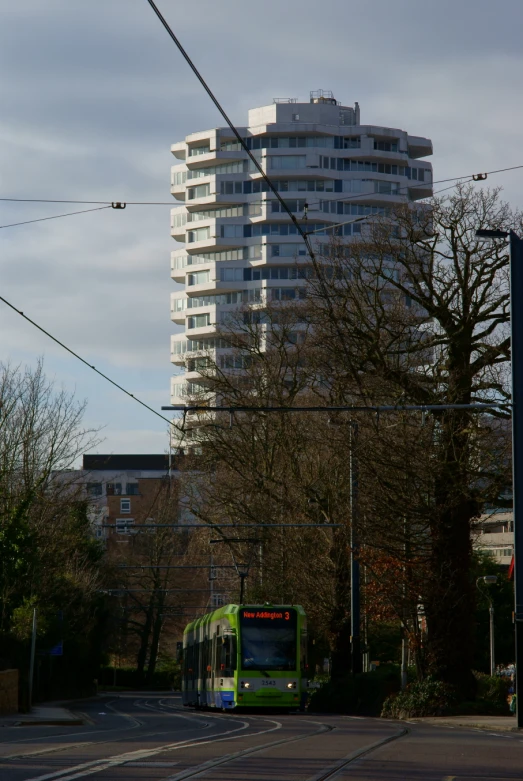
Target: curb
50	723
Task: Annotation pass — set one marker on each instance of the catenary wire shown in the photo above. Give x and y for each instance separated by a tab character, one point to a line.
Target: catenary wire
90	366
422	184
367	217
64	200
346	197
55	217
301	231
230	124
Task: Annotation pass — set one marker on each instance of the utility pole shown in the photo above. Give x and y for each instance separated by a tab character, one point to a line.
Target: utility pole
32	660
404	633
356	665
492	654
516	353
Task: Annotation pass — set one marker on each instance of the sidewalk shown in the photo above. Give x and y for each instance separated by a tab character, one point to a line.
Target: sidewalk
489	723
42	716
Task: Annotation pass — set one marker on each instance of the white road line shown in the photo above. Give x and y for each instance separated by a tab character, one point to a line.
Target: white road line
40	751
79	734
212	763
88	768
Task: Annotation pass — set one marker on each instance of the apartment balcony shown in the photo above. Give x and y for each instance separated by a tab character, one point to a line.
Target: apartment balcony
183	392
183	264
179	150
214	243
178	191
215	157
419	147
419	190
204	330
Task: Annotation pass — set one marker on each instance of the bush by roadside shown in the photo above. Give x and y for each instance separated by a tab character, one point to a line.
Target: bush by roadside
363	694
435	698
491	697
420	698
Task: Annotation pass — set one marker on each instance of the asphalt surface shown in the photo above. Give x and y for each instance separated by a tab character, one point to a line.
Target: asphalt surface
152	737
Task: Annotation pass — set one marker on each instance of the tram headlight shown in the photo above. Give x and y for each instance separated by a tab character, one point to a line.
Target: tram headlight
291	685
245	685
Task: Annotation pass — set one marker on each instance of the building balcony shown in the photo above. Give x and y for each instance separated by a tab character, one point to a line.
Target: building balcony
178	191
204	330
179	150
182	264
419	147
215	157
419	190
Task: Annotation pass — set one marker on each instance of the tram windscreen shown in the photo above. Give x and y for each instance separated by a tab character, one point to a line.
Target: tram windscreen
268	639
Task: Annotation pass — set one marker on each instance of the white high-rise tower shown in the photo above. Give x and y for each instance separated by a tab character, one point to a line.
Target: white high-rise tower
239	245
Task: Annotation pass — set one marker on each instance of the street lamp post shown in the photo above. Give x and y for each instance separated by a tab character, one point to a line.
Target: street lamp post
516	352
489	580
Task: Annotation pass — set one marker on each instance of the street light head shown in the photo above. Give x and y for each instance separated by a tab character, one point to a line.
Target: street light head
489	234
490	579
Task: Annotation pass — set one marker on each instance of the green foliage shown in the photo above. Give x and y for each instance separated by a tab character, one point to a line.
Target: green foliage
22	620
363	694
420	698
49	560
502	595
384	639
436	698
491	697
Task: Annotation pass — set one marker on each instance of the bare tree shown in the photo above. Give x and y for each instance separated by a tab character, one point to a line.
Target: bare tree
416	313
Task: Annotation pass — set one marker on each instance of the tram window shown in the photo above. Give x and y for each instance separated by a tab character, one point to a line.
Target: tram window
303	652
269	639
228	655
218	654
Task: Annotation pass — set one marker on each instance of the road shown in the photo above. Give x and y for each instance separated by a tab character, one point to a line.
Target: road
152	737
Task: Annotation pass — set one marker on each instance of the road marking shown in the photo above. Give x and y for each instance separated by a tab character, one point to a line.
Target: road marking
96	766
152	764
212	763
334	770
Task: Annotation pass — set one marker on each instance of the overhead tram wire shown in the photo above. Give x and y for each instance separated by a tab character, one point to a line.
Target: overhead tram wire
86	363
69	200
367	217
237	135
55	217
172	204
302	233
457	179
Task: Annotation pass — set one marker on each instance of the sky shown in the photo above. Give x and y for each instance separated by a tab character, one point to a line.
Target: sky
92	96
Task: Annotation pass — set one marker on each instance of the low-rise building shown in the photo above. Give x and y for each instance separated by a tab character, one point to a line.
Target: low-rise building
495	535
125	490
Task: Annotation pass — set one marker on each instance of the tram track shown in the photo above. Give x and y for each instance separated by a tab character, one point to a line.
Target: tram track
330	773
250	728
110	763
336	769
214	763
325	775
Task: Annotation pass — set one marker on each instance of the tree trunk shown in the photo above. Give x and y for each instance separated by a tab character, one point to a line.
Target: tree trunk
144	646
340	620
155	644
450	602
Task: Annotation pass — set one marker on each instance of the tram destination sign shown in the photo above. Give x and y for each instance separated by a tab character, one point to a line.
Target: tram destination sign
282	616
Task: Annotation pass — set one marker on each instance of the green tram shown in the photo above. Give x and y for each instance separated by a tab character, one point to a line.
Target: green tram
248	656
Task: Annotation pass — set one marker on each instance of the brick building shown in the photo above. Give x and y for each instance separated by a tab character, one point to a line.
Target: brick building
124	490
